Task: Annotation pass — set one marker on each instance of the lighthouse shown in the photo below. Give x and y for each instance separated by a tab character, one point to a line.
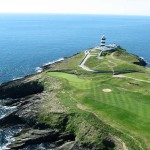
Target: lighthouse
103	40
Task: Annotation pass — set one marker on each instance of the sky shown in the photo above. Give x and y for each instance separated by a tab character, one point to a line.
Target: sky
119	7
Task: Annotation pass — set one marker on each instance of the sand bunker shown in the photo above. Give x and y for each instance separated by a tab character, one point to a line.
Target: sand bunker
107	90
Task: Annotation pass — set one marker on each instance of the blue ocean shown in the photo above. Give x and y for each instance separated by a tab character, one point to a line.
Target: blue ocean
31	40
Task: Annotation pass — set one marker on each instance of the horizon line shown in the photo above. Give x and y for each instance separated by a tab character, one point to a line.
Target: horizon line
50	13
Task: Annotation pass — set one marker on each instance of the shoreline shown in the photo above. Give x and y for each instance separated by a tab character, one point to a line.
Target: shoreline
46	66
40	69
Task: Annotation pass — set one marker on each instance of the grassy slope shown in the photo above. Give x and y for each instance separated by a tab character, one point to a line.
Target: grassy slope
119	60
126	108
70	65
60	111
142	76
121	108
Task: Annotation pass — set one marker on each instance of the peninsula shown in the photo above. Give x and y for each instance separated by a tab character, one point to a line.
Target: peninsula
94	100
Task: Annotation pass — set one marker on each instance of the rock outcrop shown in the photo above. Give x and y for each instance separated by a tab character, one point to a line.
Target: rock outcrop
27	95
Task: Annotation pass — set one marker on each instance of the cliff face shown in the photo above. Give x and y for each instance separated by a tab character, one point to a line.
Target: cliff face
64	130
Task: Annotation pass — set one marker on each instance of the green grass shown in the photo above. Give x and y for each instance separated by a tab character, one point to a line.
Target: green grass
119	61
124	55
94	51
98	64
142	76
131	85
125	108
59	109
74	80
70	65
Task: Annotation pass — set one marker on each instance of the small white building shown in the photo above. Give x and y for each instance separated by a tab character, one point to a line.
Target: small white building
103	45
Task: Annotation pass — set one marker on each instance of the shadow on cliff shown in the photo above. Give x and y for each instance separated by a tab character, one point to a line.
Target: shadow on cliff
18	89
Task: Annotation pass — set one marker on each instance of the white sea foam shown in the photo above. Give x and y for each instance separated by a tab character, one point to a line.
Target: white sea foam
52	62
17	78
4	110
39	69
9	133
144	60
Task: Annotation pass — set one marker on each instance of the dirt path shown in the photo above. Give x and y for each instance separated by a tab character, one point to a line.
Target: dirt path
82	65
88	55
122	76
112	55
121	144
112	66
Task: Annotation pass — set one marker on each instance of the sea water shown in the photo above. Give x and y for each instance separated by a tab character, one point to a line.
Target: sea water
28	41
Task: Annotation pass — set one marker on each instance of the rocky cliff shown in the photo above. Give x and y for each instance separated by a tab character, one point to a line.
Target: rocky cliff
42	119
28	95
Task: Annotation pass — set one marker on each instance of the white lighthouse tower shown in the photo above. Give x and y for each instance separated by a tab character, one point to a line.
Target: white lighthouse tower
103	40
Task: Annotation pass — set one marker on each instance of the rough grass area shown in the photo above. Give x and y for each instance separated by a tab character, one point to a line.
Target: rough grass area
98	64
124	55
94	51
59	111
126	108
70	64
115	60
142	76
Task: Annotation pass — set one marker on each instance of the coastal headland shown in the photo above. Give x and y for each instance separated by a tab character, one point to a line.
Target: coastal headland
100	104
